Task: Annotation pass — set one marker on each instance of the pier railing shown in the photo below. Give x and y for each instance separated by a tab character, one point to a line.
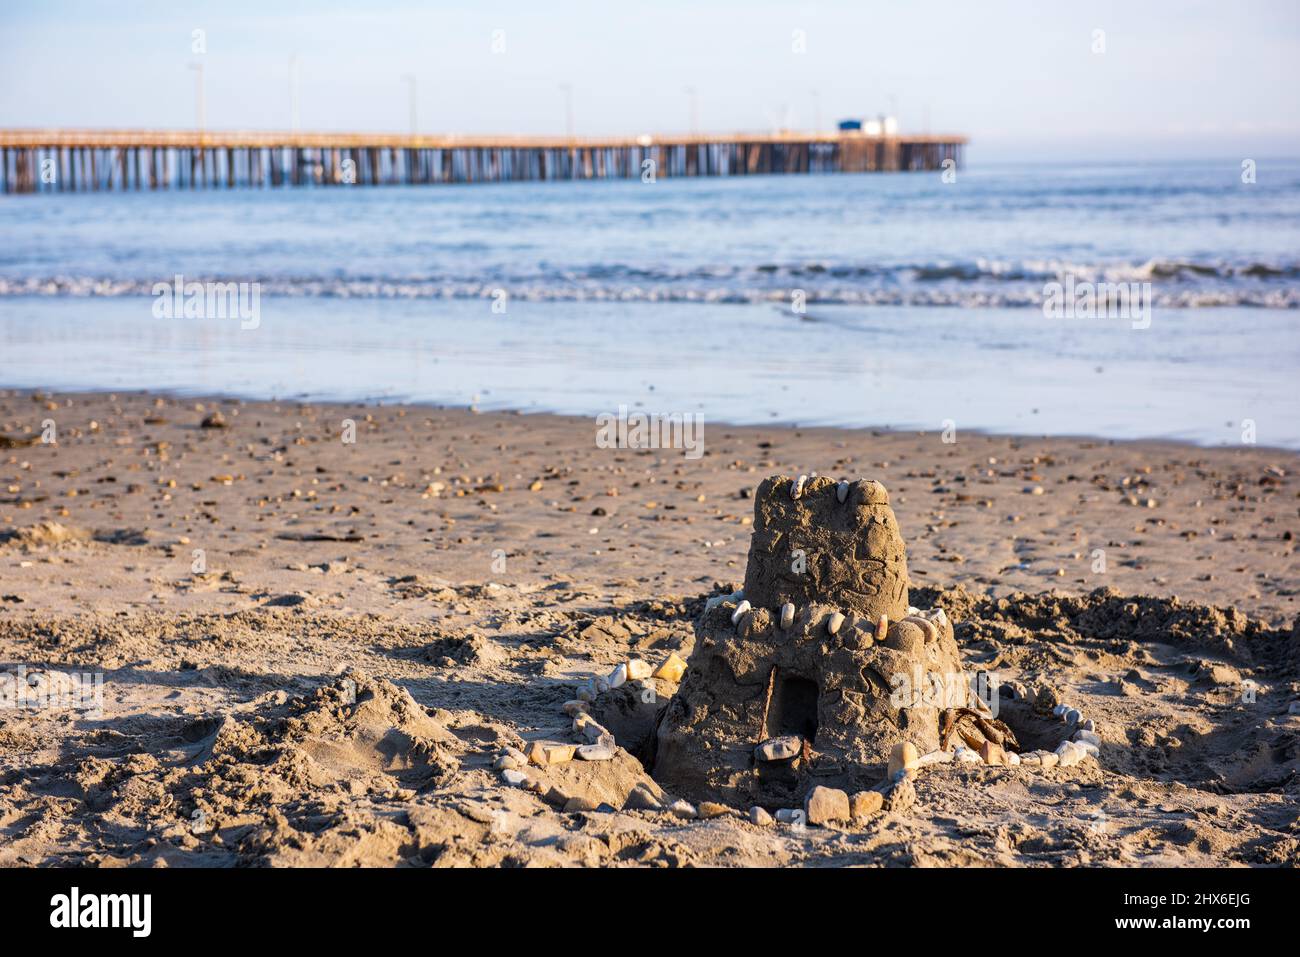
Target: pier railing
67	160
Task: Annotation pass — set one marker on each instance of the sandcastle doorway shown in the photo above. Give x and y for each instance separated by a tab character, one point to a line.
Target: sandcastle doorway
792	707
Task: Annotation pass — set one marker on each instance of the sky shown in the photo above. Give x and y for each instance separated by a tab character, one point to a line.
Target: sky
1025	80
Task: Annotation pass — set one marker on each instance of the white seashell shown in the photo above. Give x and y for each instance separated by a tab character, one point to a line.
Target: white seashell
834	622
618	677
717	600
683	809
741	611
796	487
787	615
842	492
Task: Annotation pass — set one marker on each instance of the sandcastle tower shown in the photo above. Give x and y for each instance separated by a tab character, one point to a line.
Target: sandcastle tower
818	668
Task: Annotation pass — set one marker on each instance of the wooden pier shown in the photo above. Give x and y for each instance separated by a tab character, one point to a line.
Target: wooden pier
51	161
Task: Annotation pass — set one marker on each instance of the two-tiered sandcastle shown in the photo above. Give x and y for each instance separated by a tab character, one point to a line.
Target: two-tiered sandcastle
818	668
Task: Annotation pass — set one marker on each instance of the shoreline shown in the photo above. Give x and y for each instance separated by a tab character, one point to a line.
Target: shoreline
1194	377
220	397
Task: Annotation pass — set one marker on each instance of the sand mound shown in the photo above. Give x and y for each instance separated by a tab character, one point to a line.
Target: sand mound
44	534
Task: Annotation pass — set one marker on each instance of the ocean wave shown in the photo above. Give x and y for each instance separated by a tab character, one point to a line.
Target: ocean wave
976	283
1028	295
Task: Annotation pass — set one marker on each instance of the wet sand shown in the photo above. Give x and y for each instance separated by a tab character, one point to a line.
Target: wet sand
463	573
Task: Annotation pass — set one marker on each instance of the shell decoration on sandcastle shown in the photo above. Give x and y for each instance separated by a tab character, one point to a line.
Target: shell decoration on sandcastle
816	685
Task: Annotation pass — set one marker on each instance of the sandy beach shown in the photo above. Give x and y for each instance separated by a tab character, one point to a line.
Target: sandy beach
315	650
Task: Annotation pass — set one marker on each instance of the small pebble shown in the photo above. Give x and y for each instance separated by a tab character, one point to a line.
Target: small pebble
1068	754
596	752
618	677
672	669
779	749
841	492
543	753
787	615
834	622
902	757
759	816
825	805
514	778
796	487
863	804
638	670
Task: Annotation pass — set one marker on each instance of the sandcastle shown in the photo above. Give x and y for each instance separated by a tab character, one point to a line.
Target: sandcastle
816	690
810	675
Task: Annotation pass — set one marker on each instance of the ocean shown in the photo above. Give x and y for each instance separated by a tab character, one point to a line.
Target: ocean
876	300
